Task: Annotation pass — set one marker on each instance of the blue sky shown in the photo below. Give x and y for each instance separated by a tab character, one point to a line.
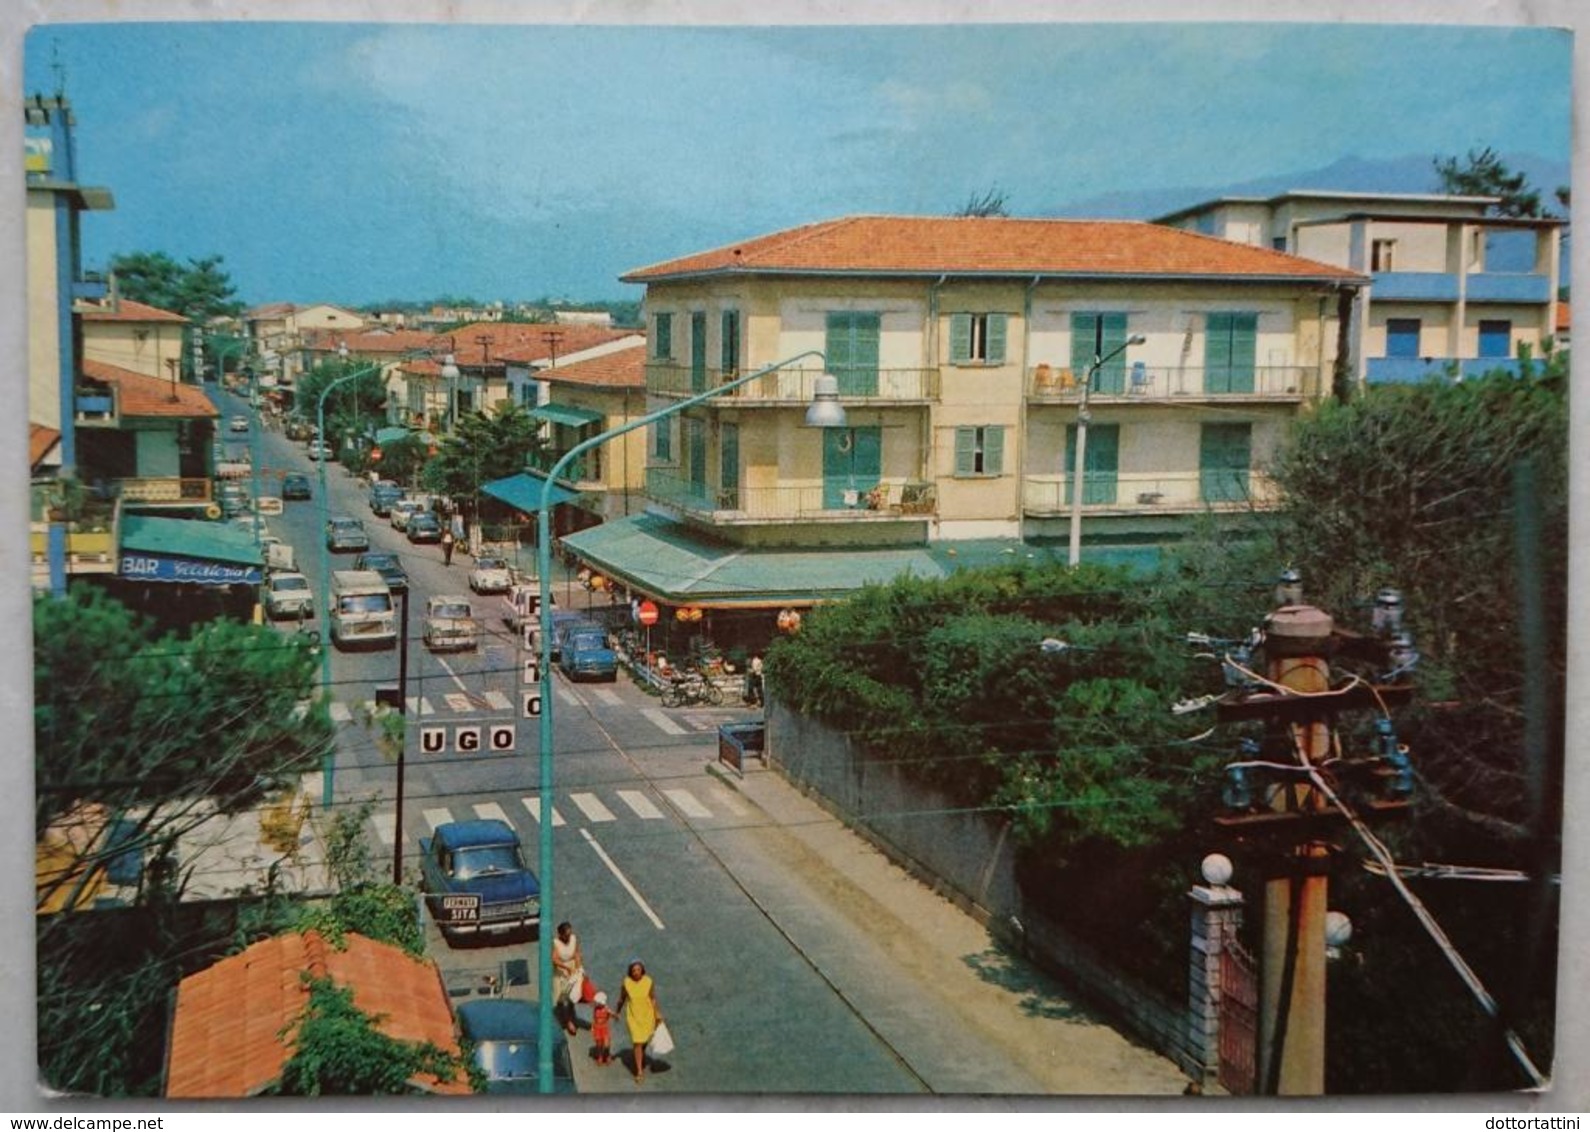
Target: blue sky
353	163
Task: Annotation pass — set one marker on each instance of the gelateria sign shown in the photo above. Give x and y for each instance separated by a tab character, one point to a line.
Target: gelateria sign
164	568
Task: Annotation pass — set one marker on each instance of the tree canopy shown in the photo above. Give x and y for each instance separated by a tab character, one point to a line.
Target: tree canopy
1482	173
482	448
198	290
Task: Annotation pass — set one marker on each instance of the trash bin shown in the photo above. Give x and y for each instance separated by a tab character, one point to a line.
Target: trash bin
736	741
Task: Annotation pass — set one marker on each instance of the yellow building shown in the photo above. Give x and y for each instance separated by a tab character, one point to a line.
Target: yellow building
133	336
961	347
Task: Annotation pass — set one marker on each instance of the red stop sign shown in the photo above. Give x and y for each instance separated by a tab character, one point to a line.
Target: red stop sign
647	613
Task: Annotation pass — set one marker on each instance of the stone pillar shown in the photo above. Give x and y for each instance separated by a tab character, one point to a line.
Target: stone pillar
1216	916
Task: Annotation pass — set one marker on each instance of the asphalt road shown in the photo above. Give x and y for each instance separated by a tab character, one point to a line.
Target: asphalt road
788	957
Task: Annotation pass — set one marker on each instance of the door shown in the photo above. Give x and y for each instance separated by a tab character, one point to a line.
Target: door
1402	338
696	441
729	466
1230	346
852	352
852	465
698	352
1096	335
1100	463
1225	453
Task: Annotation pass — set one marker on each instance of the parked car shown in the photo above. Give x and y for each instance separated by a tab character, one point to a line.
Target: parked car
424	527
480	859
237	424
288	595
295	485
505	1037
360	610
232	497
320	450
296	428
399	512
382	496
583	652
345	534
388	565
450	623
490	576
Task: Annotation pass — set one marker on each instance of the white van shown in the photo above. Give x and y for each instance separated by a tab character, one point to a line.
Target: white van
361	608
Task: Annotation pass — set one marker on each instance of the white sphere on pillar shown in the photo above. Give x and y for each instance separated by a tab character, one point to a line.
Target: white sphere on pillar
1217	869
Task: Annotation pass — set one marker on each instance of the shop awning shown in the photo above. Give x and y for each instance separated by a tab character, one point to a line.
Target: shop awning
202	553
523	491
388	435
565	415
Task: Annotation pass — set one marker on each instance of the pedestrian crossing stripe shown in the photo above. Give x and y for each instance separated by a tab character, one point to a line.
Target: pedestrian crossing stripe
498	701
436	818
591	806
569	697
490	811
458	701
640	804
386	828
608	696
687	803
662	720
534	806
727	800
340	712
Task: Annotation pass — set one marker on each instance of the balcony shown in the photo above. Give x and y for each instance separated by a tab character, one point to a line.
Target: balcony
90	539
585	472
892	500
1141	384
1416	286
157	490
1131	493
1503	287
90	288
795	385
95	406
1411	371
1480	287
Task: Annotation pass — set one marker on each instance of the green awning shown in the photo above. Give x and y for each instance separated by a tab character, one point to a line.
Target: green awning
388	435
156	549
523	491
565	415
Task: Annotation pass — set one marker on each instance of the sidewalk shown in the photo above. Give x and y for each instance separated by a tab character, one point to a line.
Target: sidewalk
966	1016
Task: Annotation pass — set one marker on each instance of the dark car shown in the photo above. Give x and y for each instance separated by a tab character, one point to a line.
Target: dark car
344	534
295	485
382	496
583	652
476	881
388	565
424	527
504	1036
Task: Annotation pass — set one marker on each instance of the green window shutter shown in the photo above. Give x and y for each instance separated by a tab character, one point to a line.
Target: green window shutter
662	442
994	450
1100	463
1084	328
1087	343
1225	455
1244	351
960	338
965	450
852	352
1217	353
663	346
996	338
730	342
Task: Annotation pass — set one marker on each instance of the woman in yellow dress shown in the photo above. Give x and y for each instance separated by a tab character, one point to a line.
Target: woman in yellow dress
637	1003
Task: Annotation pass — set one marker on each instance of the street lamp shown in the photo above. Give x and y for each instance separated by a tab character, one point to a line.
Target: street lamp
449	374
824	412
1082	444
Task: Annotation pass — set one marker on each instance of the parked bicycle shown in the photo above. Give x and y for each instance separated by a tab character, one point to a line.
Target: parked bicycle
691	687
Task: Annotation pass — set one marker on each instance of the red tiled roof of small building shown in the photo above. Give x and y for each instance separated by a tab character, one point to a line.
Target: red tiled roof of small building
991	246
225	1029
624	369
145	396
1564	317
519	342
126	310
41	438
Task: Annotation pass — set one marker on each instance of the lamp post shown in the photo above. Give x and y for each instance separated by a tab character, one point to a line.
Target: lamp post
824	412
1083	416
449	374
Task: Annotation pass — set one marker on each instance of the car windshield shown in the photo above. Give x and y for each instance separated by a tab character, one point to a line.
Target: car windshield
423	520
364	603
292	584
586	641
380	561
483	860
454	609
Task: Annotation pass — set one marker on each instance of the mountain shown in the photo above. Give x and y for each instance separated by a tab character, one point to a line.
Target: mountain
1408	174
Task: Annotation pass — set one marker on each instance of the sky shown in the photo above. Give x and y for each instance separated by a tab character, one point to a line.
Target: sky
356	163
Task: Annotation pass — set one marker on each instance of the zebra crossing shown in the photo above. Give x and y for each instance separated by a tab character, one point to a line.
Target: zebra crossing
584	806
465	703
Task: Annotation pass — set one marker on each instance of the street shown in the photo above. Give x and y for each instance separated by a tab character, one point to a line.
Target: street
788	955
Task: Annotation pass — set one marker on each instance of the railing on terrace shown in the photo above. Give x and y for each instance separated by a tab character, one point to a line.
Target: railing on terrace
794	385
1142	382
90	541
584	469
94	406
888	499
1133	493
164	489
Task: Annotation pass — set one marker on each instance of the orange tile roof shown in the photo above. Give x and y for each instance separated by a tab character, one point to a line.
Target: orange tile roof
928	245
144	396
624	368
224	1030
1564	317
373	343
126	310
41	438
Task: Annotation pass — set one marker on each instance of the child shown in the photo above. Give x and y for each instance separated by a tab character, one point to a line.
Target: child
602	1029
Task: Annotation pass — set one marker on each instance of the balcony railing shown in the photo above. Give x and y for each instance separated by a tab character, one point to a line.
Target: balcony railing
1147	493
1170	383
94	406
164	489
794	385
586	469
889	499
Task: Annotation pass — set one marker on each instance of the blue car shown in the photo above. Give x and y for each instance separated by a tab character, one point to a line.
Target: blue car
504	1036
476	882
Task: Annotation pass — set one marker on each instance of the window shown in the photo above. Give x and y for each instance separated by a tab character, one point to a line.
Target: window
1097	334
662	442
465	402
1101	460
1402	338
729	343
1382	254
980	450
1278	243
1225	454
662	335
698	351
851	347
1496	338
1230	346
977	339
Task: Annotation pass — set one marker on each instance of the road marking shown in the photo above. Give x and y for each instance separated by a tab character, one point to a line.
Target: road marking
623	880
534	806
728	801
687	803
608	696
341	712
457	701
568	696
434	818
462	687
639	803
498	700
386	827
662	720
420	705
490	811
591	806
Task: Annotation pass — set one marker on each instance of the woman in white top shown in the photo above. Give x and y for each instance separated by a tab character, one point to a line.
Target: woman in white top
568	974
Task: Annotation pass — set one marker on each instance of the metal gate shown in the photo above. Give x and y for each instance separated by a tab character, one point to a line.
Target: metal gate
1239	1020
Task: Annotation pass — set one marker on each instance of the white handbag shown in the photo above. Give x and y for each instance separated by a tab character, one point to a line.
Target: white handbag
662	1042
